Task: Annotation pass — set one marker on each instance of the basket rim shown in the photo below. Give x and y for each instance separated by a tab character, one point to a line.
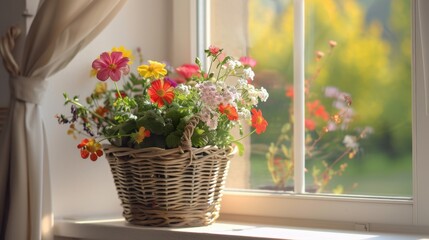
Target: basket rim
232	149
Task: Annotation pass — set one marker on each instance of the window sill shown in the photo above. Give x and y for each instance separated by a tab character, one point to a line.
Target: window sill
115	229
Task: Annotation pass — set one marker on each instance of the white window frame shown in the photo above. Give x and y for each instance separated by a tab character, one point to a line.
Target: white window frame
309	209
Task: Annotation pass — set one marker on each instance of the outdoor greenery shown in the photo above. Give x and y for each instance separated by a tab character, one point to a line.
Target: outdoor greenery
371	62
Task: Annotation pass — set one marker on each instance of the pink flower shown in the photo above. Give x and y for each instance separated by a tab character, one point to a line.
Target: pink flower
332	92
213	50
221	57
111	65
188	70
310	124
332	44
248	61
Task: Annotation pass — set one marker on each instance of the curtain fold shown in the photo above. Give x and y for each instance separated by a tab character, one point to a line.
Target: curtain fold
59	31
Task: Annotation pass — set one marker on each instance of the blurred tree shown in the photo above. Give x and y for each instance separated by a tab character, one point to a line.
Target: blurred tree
374	69
372	62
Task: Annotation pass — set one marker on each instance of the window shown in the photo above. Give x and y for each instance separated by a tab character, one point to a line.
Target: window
387	209
368	150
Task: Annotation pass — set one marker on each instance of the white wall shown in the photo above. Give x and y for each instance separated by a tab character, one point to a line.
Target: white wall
82	188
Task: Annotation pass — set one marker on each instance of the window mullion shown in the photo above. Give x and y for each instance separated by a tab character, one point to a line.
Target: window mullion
203	30
299	98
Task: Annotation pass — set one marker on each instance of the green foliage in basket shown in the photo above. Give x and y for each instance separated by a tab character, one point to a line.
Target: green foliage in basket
153	107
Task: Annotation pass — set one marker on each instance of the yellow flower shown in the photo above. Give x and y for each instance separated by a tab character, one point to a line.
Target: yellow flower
141	135
100	88
125	53
71	131
154	69
93	72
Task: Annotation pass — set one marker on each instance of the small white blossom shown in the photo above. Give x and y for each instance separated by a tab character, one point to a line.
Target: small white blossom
248	73
183	89
263	94
242	83
244	113
351	142
233	64
132	116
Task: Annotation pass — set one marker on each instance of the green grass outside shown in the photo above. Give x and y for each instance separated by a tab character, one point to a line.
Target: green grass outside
374	175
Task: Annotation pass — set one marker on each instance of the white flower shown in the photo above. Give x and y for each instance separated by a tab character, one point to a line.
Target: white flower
183	89
233	64
253	95
248	73
351	142
132	116
244	113
263	94
242	83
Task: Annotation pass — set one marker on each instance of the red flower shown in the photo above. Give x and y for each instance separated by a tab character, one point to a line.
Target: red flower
258	121
111	65
123	94
161	92
229	111
90	148
188	70
317	109
310	124
213	50
289	92
248	61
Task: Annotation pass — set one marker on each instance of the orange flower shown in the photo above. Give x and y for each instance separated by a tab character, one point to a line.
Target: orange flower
141	135
161	92
90	148
101	111
258	121
317	109
229	111
289	92
310	124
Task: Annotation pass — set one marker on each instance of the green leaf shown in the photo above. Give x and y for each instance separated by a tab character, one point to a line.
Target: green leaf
199	138
172	140
240	147
152	121
198	62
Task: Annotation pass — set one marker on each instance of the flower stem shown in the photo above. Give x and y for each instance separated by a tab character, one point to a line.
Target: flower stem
92	112
117	90
245	136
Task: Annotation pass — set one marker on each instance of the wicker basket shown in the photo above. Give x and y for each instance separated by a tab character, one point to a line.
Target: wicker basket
170	187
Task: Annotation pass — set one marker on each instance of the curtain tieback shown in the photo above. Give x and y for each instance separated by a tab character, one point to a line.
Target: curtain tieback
28	89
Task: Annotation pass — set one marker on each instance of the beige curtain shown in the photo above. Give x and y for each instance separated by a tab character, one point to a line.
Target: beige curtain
59	31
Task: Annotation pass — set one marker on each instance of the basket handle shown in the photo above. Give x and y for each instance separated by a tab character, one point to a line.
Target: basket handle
186	142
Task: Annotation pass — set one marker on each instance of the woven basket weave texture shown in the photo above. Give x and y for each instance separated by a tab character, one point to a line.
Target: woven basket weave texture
170	187
159	187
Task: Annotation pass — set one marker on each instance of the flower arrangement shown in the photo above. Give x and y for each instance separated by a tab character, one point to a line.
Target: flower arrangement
328	138
152	107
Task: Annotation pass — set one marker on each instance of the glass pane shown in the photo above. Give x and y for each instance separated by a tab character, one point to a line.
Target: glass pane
270	27
358	53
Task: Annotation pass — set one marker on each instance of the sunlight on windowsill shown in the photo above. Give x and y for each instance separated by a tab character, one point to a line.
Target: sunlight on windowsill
116	228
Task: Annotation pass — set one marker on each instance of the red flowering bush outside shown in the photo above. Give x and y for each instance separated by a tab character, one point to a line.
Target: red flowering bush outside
328	139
